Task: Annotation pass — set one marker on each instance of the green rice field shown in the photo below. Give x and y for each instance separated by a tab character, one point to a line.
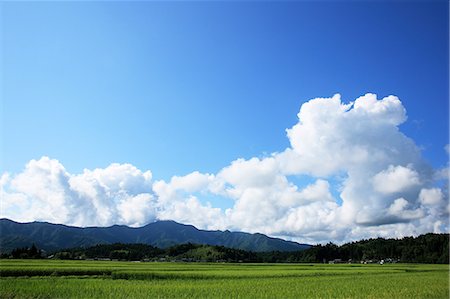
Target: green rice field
111	279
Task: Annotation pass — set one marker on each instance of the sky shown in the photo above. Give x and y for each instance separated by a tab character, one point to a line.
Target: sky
312	121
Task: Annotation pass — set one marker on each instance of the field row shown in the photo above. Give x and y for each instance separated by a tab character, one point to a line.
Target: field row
95	279
127	270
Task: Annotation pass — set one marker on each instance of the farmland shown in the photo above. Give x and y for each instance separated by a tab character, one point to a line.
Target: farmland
109	279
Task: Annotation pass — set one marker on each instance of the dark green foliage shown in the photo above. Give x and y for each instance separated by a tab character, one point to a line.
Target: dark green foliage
180	249
117	251
26	253
207	253
429	248
136	252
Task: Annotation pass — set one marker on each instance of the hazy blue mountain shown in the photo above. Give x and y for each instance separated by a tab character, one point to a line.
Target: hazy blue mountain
52	237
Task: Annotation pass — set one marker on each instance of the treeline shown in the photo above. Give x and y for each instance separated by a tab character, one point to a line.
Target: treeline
25	253
141	252
429	248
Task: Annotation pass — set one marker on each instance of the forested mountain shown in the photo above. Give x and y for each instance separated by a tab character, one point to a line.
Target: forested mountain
178	241
162	234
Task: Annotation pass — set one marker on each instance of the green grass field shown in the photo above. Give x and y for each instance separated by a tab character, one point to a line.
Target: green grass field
103	279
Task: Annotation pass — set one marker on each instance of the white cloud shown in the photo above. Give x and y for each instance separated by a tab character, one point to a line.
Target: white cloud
192	182
432	196
365	179
361	144
250	173
191	211
389	110
137	210
332	136
111	194
46	191
320	191
395	179
399	209
40	191
398	206
176	202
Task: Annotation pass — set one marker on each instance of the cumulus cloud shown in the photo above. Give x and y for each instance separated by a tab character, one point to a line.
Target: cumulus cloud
399	209
395	179
41	189
365	179
117	194
431	196
192	211
332	136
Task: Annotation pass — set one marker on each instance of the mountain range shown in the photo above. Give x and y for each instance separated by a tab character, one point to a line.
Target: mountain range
53	237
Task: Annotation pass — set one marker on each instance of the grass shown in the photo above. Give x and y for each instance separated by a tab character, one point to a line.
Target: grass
102	279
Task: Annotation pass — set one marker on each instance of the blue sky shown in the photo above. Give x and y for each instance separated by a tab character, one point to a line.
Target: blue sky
177	87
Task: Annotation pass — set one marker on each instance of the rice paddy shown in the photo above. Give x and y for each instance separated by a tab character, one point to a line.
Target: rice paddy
114	279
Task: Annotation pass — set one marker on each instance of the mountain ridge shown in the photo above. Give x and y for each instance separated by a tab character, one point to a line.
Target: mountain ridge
162	234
